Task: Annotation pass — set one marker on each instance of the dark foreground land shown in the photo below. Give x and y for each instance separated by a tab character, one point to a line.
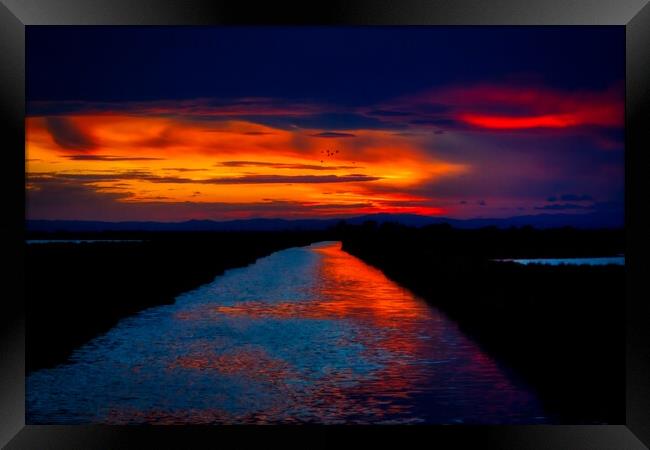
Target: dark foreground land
75	291
559	328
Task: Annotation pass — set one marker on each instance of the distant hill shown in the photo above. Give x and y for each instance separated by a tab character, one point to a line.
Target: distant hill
594	220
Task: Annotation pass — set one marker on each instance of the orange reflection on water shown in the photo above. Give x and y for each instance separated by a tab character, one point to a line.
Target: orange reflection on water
389	324
416	349
352	288
275	310
253	362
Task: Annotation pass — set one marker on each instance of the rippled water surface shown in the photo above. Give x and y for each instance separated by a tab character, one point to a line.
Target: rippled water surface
600	261
307	334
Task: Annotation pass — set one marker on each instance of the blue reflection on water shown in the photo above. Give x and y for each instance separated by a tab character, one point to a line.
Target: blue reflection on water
600	261
308	334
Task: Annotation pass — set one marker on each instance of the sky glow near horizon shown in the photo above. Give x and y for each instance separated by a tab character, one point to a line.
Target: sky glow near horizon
223	123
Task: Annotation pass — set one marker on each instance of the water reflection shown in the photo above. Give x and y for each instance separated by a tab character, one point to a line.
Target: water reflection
599	261
307	334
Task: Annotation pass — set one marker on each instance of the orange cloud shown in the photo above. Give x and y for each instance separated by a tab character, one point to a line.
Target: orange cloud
230	162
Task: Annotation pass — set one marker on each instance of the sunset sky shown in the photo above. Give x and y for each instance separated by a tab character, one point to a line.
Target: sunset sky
170	124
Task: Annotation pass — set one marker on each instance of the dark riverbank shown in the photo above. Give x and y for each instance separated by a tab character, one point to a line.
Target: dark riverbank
560	328
76	291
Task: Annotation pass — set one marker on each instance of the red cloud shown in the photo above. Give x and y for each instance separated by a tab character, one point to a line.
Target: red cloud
501	107
543	121
494	106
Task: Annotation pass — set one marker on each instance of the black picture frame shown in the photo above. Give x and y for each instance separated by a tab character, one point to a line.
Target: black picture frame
15	15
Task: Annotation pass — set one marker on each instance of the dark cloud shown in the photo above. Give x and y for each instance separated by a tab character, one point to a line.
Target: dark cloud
282	165
89	178
562	206
257	133
183	169
53	177
344	121
67	135
118	176
62	199
576	198
387	113
85	157
197	107
516	167
570	198
86	178
333	134
164	138
266	179
443	122
337	206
